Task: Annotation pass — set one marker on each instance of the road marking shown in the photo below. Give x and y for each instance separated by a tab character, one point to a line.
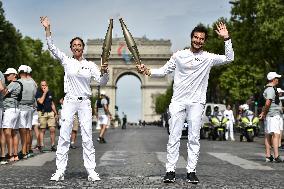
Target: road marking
243	163
162	157
113	158
37	161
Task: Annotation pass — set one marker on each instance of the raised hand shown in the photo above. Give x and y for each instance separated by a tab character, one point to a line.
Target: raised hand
222	30
46	24
45	89
44	21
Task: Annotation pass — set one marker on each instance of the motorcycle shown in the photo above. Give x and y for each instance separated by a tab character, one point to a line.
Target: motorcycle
204	131
249	127
217	128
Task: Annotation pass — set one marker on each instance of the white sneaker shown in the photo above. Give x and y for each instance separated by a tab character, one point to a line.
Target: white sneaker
3	162
93	176
57	176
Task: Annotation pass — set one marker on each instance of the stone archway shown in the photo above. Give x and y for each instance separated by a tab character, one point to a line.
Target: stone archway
128	94
154	54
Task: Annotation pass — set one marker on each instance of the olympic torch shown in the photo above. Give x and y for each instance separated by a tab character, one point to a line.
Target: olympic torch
130	42
107	43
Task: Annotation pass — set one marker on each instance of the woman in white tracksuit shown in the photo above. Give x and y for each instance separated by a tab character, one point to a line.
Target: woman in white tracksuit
191	67
78	75
228	113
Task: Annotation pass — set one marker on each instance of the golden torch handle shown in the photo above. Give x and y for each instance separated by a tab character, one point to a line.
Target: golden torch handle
130	42
107	43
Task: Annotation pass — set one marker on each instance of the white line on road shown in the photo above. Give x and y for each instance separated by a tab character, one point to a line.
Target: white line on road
162	157
38	160
113	158
243	163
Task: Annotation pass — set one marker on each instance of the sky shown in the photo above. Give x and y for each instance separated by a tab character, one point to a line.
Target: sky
156	19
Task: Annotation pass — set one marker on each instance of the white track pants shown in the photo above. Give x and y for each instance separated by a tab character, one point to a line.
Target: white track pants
70	106
230	128
179	112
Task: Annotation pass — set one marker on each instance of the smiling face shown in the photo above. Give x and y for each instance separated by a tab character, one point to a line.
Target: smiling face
77	48
197	41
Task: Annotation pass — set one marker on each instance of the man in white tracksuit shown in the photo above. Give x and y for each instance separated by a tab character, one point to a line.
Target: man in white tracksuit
228	113
191	67
78	75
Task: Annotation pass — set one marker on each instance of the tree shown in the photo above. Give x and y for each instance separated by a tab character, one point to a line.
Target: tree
44	66
16	50
10	52
257	36
270	20
163	101
257	32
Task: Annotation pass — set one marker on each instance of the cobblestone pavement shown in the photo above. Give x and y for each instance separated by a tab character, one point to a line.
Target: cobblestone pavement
135	158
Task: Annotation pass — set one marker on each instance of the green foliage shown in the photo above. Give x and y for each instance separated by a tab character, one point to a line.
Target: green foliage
16	50
163	101
257	32
10	52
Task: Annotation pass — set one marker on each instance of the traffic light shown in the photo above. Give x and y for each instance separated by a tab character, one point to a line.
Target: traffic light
255	103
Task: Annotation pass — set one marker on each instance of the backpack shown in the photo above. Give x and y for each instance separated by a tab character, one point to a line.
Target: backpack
19	97
262	100
99	104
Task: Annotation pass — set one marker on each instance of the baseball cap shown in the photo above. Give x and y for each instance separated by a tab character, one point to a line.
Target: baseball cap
245	107
10	71
279	90
272	75
29	69
23	68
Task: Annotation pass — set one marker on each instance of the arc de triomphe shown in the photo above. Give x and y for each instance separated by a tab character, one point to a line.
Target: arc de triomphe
153	53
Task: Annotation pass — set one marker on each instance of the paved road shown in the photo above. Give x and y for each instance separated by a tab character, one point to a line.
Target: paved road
135	158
